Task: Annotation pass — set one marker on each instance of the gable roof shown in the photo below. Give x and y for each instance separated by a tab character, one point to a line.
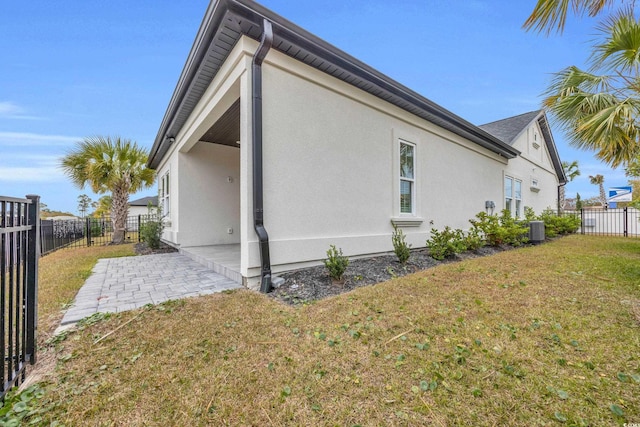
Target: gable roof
226	21
509	129
144	201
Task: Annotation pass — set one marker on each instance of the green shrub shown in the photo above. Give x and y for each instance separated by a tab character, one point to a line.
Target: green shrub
336	263
151	232
488	227
500	230
529	214
515	232
400	247
555	225
446	243
473	240
96	228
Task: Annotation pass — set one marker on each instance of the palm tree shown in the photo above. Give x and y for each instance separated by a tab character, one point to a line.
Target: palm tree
599	109
102	206
599	181
550	15
110	165
572	172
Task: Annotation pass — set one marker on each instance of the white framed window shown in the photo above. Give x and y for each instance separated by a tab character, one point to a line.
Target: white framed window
407	178
163	193
513	196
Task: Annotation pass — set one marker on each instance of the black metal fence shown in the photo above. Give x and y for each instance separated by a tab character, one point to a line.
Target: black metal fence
609	222
19	254
77	233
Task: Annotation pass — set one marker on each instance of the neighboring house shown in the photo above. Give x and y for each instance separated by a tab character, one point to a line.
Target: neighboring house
141	206
279	144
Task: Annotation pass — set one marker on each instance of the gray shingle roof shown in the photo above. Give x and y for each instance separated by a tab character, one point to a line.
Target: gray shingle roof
145	201
507	130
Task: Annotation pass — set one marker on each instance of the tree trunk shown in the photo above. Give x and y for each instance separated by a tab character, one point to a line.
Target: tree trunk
119	212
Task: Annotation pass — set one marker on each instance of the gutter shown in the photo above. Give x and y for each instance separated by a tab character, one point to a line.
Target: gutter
258	192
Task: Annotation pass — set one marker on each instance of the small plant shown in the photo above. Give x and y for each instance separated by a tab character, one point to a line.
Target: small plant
21	406
446	243
529	214
488	226
336	263
515	232
96	227
400	247
151	230
473	240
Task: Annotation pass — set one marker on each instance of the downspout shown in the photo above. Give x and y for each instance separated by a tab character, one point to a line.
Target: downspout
258	199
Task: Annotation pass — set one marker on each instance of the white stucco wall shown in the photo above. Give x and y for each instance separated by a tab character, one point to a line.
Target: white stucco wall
331	173
209	189
534	164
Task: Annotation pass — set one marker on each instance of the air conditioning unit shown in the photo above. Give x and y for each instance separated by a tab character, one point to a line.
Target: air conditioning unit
536	232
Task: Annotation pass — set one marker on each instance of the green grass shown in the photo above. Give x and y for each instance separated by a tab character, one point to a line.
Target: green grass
546	335
62	273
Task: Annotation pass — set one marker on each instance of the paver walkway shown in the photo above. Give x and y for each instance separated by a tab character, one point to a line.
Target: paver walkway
120	284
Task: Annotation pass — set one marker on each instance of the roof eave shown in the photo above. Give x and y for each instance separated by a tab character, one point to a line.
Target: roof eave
551	146
393	91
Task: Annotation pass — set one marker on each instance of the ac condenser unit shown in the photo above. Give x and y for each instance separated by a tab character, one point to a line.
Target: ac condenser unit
536	232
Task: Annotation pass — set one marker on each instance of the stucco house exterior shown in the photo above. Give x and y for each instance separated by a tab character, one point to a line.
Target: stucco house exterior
276	144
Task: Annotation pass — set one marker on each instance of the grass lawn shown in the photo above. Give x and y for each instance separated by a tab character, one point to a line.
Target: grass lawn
546	335
62	274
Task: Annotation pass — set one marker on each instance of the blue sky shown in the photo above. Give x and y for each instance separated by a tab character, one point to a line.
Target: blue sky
84	68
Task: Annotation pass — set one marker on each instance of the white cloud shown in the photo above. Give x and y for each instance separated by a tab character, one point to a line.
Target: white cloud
10	110
28	167
28	139
40	173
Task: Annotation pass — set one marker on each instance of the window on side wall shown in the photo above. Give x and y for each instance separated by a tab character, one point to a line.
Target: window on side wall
513	196
163	192
407	178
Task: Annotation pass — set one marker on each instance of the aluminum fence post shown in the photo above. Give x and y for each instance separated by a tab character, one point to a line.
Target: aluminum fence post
31	297
89	231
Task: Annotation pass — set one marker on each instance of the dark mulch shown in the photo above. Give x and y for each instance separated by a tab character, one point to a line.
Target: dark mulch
143	249
313	283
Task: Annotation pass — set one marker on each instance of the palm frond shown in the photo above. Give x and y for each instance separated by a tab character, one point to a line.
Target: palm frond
620	46
551	15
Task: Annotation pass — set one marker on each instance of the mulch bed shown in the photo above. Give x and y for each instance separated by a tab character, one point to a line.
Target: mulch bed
313	283
143	249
